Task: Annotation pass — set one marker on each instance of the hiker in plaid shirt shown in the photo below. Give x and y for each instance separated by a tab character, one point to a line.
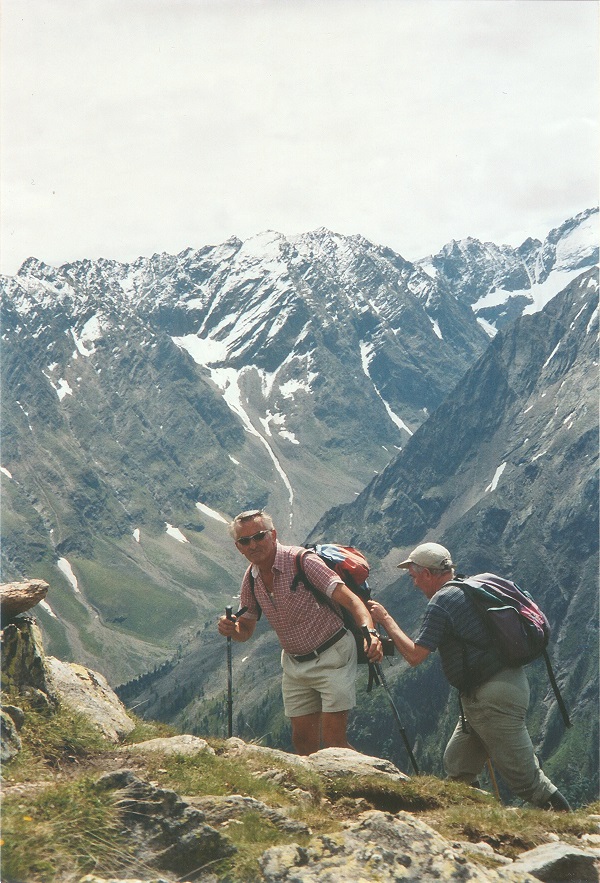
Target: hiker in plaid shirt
318	654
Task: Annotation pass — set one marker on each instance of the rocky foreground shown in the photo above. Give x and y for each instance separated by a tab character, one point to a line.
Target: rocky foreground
174	837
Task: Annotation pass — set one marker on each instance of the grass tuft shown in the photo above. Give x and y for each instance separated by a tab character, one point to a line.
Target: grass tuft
65	830
51	739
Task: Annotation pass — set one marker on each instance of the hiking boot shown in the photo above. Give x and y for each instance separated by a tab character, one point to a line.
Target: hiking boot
558	802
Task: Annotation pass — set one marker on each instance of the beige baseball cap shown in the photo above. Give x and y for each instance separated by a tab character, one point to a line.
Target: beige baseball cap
429	555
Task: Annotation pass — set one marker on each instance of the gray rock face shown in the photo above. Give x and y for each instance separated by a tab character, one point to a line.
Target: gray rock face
184	744
220	811
167	832
10	741
27	670
89	693
560	863
23	657
382	848
342	762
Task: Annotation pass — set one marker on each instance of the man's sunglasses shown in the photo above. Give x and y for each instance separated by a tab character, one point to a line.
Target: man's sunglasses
245	541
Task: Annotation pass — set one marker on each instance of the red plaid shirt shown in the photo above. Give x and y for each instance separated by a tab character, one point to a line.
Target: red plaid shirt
300	622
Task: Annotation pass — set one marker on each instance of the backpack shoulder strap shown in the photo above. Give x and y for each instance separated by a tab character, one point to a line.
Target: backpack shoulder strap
251	584
301	577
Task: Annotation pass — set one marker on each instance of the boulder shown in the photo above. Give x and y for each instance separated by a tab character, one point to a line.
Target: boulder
235	747
184	744
333	763
18	597
560	863
89	693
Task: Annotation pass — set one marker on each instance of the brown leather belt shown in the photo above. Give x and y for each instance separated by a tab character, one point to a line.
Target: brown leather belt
306	657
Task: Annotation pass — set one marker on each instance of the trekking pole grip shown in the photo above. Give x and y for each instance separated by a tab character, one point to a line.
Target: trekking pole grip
229	612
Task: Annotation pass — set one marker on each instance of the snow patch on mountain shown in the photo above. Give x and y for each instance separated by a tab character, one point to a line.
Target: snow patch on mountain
497	475
489	329
203	350
91	331
63	389
206	510
175	533
436	328
65	568
579	245
228	382
366	355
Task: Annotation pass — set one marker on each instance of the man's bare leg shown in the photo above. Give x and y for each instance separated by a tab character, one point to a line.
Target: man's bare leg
309	729
306	732
333	729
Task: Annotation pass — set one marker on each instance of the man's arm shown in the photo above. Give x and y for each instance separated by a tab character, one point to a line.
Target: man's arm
360	613
414	654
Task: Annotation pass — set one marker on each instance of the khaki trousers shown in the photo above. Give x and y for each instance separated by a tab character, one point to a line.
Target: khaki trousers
495	713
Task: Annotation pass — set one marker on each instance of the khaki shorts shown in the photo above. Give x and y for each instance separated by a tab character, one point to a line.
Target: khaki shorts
327	683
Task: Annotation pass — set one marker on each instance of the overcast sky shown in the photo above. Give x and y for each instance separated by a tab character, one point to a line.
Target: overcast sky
138	126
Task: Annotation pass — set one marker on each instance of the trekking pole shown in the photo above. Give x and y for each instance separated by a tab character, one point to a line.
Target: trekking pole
228	614
380	675
493	779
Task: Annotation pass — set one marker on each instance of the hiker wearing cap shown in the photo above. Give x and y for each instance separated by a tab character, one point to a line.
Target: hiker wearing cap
318	653
494	703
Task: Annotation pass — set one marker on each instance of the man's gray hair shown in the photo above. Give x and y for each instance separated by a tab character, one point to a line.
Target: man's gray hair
439	570
247	516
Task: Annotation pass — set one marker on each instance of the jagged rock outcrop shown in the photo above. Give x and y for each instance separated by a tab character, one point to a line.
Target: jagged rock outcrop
23	657
221	811
47	681
167	833
10	741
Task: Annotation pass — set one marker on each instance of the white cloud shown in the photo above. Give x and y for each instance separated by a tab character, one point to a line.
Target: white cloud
132	127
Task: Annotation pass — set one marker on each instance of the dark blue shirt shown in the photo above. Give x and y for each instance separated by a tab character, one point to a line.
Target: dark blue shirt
452	625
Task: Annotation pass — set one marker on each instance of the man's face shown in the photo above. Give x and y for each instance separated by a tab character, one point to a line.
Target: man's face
425	580
259	551
420	576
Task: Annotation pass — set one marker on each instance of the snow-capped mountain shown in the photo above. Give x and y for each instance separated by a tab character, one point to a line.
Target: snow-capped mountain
501	282
313	345
144	404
